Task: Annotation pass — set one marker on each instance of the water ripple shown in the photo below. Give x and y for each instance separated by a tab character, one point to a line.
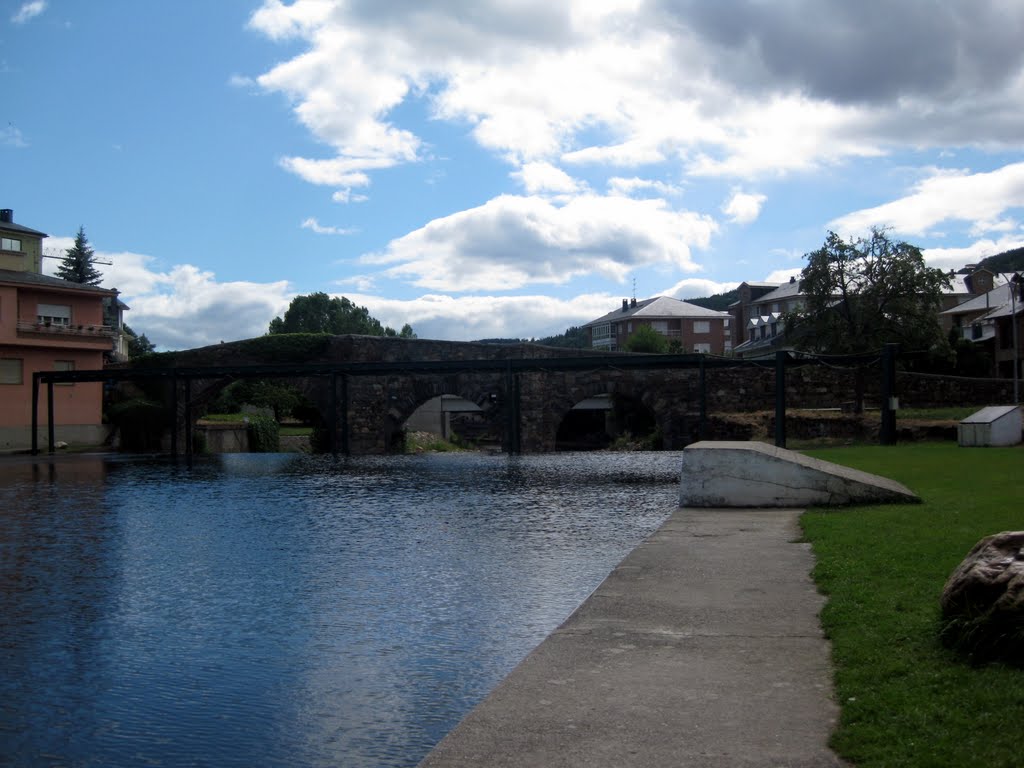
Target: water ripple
283	610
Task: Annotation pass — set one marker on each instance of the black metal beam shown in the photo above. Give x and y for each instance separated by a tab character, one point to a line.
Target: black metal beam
35	414
521	365
50	433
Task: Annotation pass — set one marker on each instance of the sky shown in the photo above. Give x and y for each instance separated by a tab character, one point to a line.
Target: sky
499	168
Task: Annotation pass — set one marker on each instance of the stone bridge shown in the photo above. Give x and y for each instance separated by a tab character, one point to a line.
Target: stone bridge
372	384
366	387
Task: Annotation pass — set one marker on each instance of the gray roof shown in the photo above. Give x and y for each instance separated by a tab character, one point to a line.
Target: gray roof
45	281
10	226
784	291
985	302
657	308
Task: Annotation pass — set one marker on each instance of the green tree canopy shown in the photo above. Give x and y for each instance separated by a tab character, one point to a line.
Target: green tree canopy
77	265
646	339
320	313
137	345
865	293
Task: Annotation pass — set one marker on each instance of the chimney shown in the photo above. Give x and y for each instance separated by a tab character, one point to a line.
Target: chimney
625	305
6	215
632	302
792	279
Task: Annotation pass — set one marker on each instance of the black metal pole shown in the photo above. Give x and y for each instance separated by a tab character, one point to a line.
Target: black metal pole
511	410
703	425
344	415
49	416
188	421
887	429
780	398
332	414
35	413
174	415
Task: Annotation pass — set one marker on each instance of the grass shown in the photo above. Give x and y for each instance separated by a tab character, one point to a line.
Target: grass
428	442
225	417
906	700
293	430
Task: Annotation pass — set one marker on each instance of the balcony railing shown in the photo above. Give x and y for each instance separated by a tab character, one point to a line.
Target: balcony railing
72	329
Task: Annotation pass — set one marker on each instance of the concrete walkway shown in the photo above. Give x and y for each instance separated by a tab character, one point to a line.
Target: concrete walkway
702	648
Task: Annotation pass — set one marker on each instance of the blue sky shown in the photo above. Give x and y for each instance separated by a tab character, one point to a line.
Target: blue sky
499	167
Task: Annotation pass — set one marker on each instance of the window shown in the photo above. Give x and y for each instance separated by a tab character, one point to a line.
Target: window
64	365
54	314
600	334
10	371
702	326
661	326
702	346
629	327
10	244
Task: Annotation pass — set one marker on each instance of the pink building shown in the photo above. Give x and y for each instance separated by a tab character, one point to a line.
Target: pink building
48	324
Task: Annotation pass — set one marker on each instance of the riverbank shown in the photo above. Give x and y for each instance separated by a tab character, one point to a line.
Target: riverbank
908	701
701	648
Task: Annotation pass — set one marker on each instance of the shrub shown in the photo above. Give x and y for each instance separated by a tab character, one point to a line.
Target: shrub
264	434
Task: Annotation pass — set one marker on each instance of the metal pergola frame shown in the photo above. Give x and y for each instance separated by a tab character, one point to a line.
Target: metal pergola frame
511	367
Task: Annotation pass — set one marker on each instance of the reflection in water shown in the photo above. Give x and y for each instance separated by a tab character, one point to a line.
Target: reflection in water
284	610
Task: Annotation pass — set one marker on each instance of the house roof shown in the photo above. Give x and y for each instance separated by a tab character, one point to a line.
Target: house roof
10	226
984	303
784	291
37	280
657	308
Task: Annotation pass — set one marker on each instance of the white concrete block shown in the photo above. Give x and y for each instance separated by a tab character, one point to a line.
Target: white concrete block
753	474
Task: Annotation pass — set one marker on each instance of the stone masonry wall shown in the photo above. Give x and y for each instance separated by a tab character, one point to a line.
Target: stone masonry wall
379	405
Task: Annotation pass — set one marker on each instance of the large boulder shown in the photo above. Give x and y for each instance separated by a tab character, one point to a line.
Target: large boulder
983	600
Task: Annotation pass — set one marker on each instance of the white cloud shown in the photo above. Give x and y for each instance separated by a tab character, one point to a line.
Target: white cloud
348	196
743	207
12	137
726	89
618	185
538	178
955	258
981	199
466	318
783	275
511	242
241	81
184	307
695	288
316	226
28	11
360	283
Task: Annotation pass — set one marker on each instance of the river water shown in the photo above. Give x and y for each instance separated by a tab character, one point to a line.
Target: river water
281	610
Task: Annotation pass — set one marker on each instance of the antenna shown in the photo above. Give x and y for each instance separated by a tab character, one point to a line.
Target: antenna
57	253
634	289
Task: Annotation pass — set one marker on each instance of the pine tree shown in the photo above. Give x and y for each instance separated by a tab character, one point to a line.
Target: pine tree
77	266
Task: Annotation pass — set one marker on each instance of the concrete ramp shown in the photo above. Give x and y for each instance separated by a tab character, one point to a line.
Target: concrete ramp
752	474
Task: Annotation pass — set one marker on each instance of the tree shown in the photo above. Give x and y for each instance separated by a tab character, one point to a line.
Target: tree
77	265
866	293
320	313
137	345
646	339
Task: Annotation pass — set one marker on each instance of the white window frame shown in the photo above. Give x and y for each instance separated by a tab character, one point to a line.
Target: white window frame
702	347
54	314
702	326
10	244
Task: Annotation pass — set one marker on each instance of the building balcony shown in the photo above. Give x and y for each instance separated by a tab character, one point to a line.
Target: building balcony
71	330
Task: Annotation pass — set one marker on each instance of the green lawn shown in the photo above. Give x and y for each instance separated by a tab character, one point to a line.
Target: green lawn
906	700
